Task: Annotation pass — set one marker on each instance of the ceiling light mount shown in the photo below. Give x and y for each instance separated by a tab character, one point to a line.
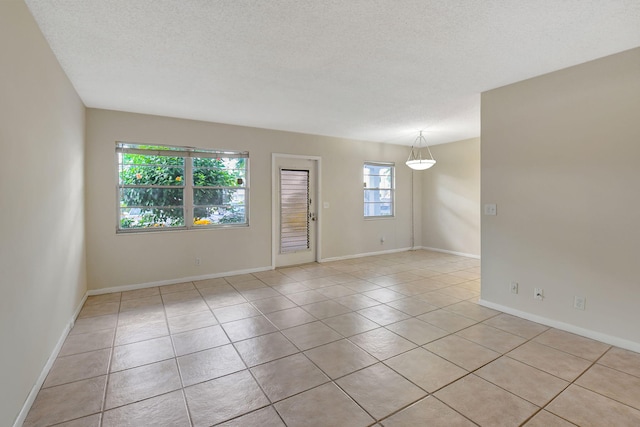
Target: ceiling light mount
416	160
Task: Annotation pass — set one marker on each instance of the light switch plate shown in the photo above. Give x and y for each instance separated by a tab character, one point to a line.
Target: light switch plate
490	209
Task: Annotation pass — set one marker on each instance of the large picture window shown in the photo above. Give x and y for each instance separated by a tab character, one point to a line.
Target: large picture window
378	190
164	187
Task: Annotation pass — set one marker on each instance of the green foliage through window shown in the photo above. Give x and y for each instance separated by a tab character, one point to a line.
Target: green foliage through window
172	187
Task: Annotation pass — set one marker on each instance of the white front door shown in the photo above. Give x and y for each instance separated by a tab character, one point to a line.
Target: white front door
295	210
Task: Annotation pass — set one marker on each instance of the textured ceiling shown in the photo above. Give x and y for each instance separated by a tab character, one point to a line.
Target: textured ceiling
377	70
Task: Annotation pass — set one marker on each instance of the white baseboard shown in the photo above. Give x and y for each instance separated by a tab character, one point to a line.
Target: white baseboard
136	286
47	367
445	251
341	258
390	251
133	287
599	336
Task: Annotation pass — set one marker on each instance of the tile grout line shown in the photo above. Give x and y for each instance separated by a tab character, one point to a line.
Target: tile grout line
175	353
247	368
112	350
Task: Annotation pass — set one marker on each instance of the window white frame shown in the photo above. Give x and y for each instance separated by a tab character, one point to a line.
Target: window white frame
379	190
189	156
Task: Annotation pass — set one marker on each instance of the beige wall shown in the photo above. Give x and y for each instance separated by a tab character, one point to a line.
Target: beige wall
142	258
560	158
451	198
42	205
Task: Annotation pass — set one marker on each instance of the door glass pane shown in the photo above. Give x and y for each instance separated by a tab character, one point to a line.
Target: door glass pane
294	210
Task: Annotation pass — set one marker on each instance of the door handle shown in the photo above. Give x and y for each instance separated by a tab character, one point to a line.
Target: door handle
312	216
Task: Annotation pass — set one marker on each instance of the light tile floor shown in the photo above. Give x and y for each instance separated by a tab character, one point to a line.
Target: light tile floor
393	340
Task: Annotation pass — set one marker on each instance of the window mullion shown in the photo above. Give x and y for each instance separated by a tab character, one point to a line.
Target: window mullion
188	192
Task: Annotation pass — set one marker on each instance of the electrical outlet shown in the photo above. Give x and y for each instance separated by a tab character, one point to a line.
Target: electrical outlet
579	302
382	240
514	287
197	261
538	293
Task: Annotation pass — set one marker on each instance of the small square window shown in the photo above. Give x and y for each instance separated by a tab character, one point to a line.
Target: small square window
379	187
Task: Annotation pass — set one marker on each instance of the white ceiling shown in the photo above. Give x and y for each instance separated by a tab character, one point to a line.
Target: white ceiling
377	70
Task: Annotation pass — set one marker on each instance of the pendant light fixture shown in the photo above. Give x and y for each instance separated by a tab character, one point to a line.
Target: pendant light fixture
416	160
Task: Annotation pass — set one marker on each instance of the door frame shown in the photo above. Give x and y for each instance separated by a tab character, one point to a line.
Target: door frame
275	203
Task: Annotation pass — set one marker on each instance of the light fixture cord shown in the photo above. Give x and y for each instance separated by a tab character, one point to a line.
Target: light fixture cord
413	221
422	138
429	150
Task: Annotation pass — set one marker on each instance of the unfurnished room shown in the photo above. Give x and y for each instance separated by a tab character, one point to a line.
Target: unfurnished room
319	213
